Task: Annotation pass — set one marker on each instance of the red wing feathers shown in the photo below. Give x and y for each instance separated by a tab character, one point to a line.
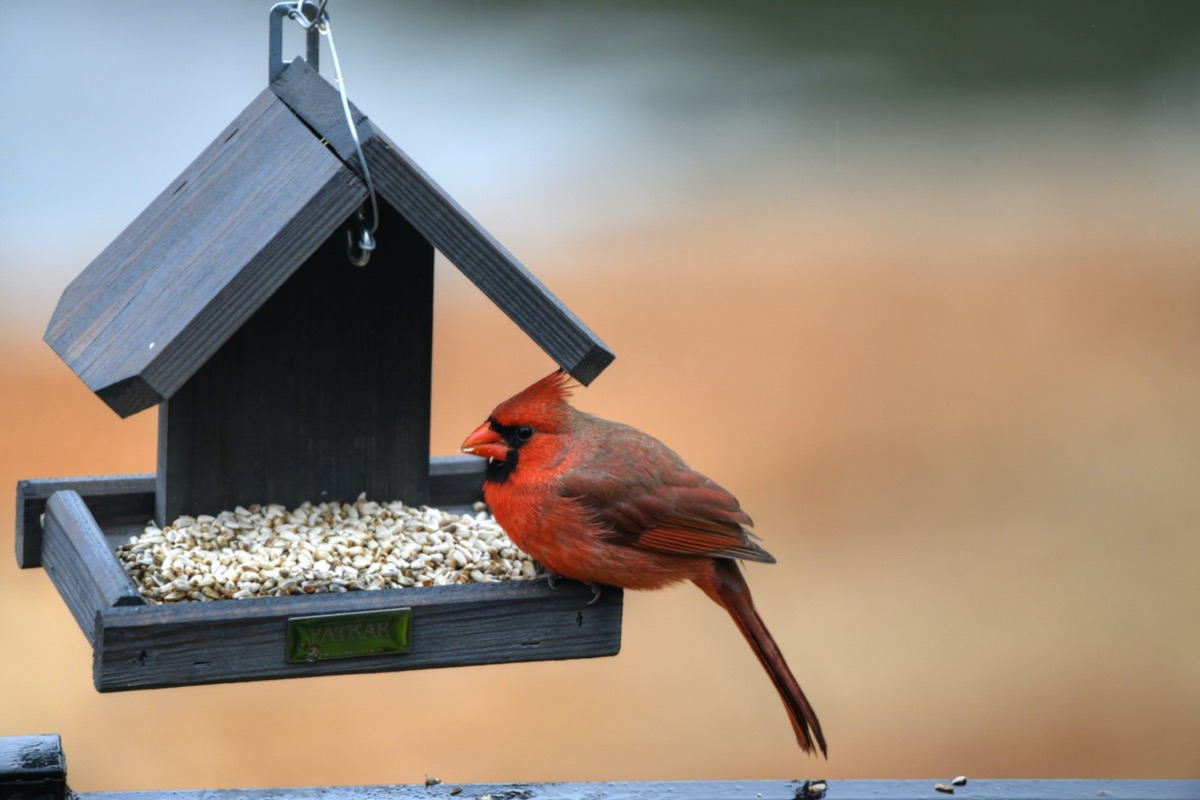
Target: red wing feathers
686	514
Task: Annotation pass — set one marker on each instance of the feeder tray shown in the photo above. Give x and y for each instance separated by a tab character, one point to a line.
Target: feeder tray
284	374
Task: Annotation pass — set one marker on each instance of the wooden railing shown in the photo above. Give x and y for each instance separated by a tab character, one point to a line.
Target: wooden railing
34	768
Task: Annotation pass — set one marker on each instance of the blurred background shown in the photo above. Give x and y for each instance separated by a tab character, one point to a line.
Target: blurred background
920	283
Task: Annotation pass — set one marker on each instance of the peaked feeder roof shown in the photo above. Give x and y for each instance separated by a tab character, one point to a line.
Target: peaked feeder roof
282	178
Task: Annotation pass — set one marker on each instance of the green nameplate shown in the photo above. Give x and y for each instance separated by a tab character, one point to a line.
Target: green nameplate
366	633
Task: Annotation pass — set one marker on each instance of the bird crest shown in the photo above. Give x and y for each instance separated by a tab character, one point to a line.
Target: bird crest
544	401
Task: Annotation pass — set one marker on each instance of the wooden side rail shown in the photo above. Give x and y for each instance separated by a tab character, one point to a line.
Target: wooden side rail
35	767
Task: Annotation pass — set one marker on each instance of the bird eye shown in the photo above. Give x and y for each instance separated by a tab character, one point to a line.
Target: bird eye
524	433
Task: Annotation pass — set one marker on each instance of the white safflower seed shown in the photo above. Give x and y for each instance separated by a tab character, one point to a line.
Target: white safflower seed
264	551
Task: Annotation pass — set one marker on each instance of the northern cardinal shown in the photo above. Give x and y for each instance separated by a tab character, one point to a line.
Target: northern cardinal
604	503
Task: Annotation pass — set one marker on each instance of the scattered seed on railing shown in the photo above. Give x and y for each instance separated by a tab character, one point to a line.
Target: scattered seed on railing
271	551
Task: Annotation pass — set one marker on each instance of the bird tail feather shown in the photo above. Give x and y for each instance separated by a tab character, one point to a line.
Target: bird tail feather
728	589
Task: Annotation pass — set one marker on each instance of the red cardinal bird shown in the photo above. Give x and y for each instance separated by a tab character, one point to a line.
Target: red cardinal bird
604	503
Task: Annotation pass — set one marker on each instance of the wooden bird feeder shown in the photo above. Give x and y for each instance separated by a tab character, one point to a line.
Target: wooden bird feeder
282	373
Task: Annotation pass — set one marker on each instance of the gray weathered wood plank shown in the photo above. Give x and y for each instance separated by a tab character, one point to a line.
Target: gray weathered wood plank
77	558
42	757
322	394
116	499
318	103
232	640
32	768
455	480
983	789
495	271
202	257
406	187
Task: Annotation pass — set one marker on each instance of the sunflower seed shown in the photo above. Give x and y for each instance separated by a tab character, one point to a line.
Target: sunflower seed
270	550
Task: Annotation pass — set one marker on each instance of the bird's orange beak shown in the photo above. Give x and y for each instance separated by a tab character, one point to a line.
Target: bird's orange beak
486	443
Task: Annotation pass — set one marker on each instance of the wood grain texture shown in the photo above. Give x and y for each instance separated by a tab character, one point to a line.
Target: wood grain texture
78	560
322	394
319	105
407	188
983	789
234	640
512	287
202	257
117	499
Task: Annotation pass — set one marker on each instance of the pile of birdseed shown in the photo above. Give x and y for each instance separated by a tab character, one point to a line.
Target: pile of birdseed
270	551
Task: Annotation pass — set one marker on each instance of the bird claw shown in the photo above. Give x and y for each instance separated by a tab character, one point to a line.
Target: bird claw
552	578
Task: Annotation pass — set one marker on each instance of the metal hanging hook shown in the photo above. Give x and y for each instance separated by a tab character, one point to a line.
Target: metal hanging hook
310	15
301	13
359	252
